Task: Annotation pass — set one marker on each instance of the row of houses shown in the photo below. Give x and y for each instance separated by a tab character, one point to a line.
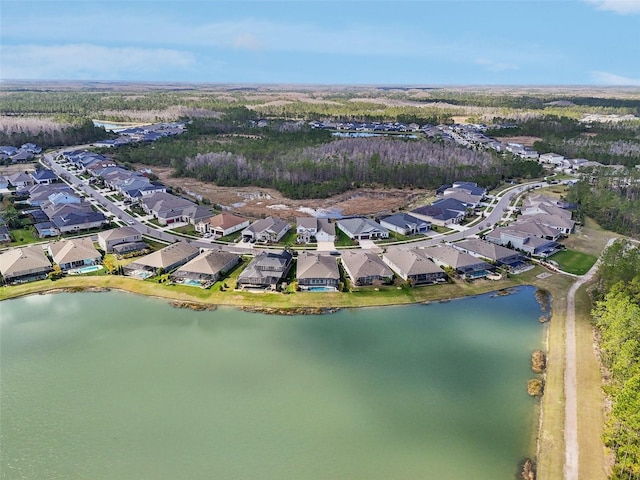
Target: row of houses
22	180
22	154
145	133
28	263
57	208
542	223
454	203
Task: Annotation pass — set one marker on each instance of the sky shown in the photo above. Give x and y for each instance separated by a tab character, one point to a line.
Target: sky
338	42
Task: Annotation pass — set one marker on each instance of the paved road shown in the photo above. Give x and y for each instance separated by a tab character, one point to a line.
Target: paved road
500	205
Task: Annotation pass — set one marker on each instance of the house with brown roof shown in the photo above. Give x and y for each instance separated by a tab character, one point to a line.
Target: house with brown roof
167	259
317	272
24	264
414	266
365	268
206	268
74	253
222	225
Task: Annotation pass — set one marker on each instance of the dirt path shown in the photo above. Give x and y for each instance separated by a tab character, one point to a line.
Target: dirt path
571	446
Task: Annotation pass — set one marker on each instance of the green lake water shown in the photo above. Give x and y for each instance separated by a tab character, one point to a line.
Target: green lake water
116	386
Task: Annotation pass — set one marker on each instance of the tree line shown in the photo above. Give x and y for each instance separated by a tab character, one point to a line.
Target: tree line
617	316
611	198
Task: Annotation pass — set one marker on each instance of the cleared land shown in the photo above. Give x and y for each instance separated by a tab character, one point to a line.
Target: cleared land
258	202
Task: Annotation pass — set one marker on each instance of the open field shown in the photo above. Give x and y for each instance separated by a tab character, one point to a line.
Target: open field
258	202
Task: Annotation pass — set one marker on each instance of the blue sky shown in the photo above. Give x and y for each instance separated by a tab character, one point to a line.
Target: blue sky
430	42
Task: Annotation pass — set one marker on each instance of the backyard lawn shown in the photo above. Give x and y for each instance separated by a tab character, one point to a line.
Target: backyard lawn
574	262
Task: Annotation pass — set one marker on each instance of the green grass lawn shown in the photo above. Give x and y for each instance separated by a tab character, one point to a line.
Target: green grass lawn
342	240
23	236
574	262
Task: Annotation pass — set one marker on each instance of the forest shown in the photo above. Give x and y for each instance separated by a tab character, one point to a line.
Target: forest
310	163
611	198
617	316
607	143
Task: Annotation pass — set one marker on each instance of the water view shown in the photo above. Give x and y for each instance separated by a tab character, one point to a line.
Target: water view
113	386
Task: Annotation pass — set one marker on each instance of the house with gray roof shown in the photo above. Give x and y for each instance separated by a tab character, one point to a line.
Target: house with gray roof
405	224
360	228
72	217
266	270
20	180
44	176
167	259
24	264
466	266
205	269
365	268
564	225
520	237
414	266
168	209
222	224
265	230
312	229
442	212
492	252
74	253
39	194
317	271
108	239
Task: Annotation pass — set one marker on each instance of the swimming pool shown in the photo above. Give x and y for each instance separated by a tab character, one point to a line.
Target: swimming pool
87	269
191	283
321	289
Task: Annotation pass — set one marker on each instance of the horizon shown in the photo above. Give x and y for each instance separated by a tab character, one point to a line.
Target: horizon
589	43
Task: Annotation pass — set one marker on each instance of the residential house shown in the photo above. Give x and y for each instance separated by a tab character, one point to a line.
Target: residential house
414	266
465	265
24	264
266	230
39	194
74	253
168	209
108	239
74	217
222	225
360	228
206	268
316	271
46	229
31	148
405	224
524	237
167	259
20	180
365	268
8	150
492	252
44	176
559	222
4	183
312	229
551	158
449	211
22	156
266	270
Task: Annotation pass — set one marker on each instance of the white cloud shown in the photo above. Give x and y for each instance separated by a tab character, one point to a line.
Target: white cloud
86	61
606	78
623	7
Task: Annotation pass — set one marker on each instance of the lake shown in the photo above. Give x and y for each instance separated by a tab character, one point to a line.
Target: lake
116	386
